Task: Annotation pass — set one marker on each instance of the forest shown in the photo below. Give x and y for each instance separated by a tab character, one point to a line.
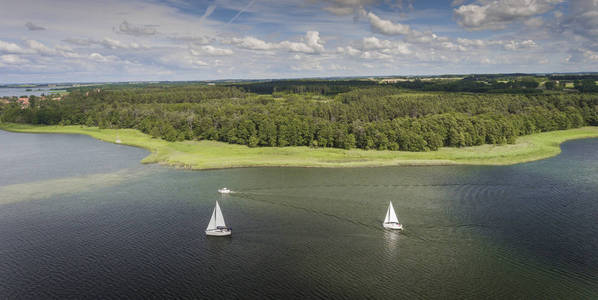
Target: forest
413	115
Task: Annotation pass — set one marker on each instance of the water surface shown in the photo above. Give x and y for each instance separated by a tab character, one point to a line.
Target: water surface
17	92
84	219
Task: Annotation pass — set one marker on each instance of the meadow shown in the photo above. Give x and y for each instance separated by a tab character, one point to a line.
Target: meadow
214	155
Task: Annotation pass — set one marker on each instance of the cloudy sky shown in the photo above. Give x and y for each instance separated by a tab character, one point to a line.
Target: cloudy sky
117	40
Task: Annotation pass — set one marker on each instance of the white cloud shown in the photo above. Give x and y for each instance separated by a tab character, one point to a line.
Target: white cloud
387	27
116	44
372	42
40	48
497	14
252	43
12	59
211	50
472	43
375	55
101	58
516	45
13	48
348	50
311	43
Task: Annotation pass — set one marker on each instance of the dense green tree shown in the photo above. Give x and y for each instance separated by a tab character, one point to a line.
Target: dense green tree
324	113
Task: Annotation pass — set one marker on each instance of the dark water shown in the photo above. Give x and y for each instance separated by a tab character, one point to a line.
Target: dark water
93	223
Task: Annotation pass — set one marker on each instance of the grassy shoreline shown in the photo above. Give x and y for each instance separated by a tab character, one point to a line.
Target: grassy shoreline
217	155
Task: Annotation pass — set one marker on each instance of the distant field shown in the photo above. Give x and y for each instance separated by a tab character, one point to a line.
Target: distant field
213	155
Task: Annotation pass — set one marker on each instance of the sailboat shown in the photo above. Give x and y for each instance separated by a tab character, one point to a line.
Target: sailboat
391	221
217	227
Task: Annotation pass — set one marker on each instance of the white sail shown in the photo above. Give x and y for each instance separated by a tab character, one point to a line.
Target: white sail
212	224
391	216
217	218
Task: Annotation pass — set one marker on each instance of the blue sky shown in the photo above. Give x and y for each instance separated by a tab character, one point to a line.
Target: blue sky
112	40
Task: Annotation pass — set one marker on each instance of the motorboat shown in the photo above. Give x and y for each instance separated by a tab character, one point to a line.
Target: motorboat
224	190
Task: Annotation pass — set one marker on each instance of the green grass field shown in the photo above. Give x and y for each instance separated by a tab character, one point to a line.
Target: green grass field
213	155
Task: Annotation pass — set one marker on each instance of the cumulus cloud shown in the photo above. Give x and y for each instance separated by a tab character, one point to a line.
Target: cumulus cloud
12	48
516	45
370	43
116	44
136	30
374	48
40	48
34	27
387	27
311	44
211	50
497	14
348	50
101	58
33	47
253	43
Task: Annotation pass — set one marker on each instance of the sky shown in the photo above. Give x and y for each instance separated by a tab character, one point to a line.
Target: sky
146	40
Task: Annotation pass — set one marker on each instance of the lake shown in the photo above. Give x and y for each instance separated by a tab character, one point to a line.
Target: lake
80	218
16	92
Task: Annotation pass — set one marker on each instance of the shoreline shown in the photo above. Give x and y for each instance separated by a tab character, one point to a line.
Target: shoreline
206	155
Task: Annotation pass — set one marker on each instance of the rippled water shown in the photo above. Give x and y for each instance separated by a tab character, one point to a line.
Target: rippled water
95	223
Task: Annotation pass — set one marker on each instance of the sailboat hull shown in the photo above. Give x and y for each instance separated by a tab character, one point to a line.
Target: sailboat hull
219	232
395	226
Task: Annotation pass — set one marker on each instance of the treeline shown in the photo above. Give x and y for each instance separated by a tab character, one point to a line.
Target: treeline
321	87
379	117
474	85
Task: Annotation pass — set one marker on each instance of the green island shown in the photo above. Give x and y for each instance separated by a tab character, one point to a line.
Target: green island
213	155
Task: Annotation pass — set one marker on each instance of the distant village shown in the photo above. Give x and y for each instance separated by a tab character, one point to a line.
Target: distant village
25	101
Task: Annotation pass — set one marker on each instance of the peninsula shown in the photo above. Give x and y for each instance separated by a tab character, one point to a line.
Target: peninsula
214	155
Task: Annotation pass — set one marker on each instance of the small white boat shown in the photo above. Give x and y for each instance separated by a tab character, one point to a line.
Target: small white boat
217	226
118	141
224	191
391	221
